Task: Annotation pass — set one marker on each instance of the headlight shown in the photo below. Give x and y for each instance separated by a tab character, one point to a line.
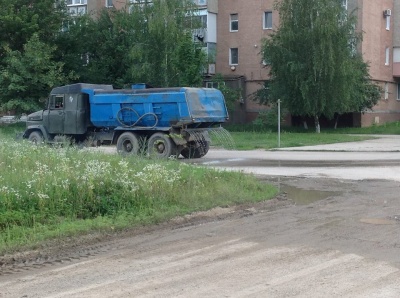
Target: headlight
34	118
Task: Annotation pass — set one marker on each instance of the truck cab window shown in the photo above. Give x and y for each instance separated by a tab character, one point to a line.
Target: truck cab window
56	102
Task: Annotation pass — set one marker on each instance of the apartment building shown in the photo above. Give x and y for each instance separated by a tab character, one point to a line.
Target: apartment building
241	27
233	30
381	49
243	24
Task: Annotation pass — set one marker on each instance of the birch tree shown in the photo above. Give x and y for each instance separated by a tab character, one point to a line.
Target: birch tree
314	66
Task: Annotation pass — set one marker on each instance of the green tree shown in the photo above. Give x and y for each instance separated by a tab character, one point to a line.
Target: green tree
20	19
73	44
96	47
149	42
164	53
231	95
314	67
28	30
29	75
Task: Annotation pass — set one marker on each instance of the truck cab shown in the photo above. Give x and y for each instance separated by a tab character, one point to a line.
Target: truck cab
67	113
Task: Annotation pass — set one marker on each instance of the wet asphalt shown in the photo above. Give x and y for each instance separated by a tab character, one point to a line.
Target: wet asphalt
377	159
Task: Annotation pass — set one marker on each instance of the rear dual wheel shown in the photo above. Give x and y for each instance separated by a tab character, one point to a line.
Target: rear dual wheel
196	150
161	145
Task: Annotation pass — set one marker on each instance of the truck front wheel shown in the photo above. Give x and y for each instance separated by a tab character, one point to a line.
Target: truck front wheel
36	137
128	144
161	145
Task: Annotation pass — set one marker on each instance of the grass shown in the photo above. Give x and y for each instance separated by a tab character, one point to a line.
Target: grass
48	192
10	130
269	140
249	137
392	128
386	128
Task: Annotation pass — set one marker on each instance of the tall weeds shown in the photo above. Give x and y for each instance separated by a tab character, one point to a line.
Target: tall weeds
43	187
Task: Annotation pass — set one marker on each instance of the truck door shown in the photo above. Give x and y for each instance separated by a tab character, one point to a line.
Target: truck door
56	115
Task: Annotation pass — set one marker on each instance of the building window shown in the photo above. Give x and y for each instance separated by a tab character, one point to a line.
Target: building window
76	7
267	20
76	2
234	22
201	21
398	91
344	4
140	3
200	2
215	85
387	56
77	10
388	23
386	90
234	56
109	3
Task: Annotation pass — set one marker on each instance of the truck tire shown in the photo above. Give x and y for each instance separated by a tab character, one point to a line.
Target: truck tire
36	137
197	150
161	145
128	144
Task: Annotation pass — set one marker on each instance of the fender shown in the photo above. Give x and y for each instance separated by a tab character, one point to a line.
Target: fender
40	128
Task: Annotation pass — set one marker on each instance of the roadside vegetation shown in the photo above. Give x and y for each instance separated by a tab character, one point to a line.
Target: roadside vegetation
255	136
269	140
48	192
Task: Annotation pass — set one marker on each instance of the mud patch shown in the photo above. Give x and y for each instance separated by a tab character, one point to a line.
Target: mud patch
378	221
306	196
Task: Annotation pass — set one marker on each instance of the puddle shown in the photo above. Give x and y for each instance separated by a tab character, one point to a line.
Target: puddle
377	221
306	196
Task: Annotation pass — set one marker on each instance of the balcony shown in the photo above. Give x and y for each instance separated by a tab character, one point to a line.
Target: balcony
200	2
200	35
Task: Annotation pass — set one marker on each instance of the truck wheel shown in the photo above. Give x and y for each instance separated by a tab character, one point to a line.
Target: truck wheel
36	137
197	150
161	145
128	144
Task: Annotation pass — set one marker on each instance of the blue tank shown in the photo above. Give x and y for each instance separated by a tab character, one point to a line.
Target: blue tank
156	108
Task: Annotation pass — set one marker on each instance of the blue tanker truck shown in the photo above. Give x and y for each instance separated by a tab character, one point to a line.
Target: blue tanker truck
163	122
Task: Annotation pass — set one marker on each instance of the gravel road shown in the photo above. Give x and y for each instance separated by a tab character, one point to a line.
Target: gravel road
323	237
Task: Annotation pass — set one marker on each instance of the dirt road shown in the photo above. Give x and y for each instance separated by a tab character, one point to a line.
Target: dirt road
322	238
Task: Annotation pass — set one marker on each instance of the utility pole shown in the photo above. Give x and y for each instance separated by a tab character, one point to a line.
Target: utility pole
279	123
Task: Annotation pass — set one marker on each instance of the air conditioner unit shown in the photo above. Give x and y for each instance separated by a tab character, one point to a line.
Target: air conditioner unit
387	12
